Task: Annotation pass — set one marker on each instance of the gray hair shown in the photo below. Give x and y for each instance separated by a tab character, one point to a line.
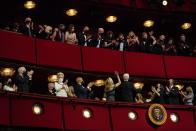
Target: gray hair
125	76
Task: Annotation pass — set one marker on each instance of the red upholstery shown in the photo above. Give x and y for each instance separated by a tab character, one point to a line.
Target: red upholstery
74	119
58	54
142	64
180	67
4	111
65	113
22	114
102	60
17	47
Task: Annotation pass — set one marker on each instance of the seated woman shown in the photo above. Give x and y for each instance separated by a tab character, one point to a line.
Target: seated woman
9	86
70	36
188	96
133	42
139	98
110	88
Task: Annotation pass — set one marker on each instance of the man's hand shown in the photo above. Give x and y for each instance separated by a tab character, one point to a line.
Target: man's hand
90	84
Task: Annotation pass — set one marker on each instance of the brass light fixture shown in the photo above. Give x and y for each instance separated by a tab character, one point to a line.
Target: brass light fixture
180	86
148	23
71	12
111	19
29	4
138	85
52	78
7	72
186	26
99	83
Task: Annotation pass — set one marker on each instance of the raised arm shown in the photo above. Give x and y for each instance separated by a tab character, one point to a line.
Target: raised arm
119	81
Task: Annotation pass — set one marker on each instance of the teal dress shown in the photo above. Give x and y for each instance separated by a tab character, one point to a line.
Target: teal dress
110	96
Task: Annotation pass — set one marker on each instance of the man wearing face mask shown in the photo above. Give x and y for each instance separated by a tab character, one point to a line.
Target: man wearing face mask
144	45
98	39
184	48
23	80
27	28
84	37
80	90
60	86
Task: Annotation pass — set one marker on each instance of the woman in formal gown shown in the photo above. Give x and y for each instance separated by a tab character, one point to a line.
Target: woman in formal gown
60	87
109	91
70	35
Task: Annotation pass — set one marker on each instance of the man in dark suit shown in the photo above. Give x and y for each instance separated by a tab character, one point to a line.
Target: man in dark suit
121	44
83	37
98	39
80	90
23	80
172	93
27	28
144	45
126	90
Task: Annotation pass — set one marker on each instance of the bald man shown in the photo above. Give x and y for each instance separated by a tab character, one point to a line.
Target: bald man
80	90
98	39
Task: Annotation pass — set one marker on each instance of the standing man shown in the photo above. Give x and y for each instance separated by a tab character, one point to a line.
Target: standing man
23	80
80	90
172	93
84	37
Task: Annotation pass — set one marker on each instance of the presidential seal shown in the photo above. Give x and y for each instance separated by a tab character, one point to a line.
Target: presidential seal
157	114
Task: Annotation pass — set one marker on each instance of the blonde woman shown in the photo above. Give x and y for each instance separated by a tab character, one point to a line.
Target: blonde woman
139	98
71	92
110	88
132	41
188	96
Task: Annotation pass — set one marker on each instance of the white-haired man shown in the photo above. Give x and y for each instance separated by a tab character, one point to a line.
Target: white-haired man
126	90
23	80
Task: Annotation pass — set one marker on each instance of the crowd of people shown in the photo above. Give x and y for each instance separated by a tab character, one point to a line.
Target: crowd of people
146	42
120	91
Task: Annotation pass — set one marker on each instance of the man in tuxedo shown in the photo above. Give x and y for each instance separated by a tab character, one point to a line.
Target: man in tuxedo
121	44
144	43
98	39
83	37
23	80
126	90
80	90
27	28
184	48
172	93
